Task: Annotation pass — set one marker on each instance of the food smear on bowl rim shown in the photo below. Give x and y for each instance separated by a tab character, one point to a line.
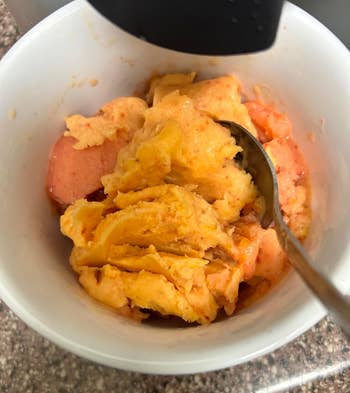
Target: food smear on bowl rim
162	217
12	114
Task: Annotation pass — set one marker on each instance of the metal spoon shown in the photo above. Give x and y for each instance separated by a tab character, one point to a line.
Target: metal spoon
258	164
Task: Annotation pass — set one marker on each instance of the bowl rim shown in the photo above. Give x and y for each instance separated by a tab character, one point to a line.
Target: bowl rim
311	306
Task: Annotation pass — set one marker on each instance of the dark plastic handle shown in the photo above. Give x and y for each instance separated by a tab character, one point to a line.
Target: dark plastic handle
212	27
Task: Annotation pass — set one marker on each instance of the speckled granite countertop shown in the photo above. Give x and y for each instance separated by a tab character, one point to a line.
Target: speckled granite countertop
318	361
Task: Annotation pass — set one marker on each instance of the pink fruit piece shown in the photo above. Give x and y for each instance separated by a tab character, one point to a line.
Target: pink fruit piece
73	174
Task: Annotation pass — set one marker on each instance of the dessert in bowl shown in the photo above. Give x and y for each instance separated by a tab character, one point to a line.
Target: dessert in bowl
51	73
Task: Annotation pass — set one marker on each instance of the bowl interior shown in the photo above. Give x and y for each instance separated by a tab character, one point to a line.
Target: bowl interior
45	77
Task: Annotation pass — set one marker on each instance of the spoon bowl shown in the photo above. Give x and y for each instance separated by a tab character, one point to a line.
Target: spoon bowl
256	161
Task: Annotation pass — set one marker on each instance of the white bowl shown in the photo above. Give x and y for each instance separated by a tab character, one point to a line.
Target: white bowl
308	69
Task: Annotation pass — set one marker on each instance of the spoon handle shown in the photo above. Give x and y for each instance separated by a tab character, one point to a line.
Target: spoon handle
336	303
